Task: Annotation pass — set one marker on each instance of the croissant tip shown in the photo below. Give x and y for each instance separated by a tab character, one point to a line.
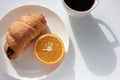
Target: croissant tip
9	52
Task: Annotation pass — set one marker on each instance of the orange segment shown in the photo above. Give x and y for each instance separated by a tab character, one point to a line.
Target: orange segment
49	49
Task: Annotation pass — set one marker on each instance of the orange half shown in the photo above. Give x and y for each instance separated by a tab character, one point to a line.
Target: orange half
49	49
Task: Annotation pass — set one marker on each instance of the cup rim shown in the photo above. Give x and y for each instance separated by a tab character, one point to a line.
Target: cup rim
93	6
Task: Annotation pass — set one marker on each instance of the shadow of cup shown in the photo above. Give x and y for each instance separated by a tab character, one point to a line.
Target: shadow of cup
96	49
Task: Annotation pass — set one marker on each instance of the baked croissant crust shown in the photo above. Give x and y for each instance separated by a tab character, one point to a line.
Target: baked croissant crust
22	32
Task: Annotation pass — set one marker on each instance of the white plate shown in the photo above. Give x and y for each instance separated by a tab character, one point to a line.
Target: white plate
27	66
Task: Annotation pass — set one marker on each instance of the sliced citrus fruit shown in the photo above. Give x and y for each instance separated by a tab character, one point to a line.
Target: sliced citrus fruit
49	49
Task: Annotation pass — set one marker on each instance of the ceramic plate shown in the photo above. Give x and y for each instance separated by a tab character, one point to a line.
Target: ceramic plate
27	66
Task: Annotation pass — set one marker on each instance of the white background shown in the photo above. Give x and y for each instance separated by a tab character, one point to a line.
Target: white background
94	51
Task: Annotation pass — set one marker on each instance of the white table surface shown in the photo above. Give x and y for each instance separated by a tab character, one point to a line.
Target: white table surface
94	52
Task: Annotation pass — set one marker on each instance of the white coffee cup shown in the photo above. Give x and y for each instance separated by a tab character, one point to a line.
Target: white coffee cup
76	13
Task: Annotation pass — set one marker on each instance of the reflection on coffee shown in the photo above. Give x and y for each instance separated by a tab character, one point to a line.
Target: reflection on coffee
80	5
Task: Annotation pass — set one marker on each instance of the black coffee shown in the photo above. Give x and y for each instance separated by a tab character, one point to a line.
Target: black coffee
80	5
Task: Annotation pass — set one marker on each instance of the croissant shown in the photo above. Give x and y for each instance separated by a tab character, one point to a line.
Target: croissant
22	32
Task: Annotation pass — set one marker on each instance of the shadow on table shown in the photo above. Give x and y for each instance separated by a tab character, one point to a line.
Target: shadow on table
96	49
66	70
5	76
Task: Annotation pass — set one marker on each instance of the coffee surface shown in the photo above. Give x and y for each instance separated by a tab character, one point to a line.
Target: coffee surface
80	5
